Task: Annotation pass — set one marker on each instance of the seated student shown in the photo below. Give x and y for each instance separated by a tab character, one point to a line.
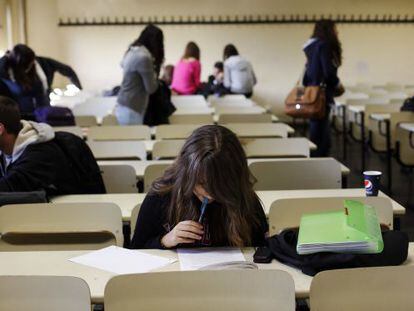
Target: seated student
215	85
31	158
212	164
186	77
28	78
239	77
167	74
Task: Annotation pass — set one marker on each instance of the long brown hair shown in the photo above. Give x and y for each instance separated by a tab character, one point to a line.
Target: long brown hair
325	31
192	50
213	158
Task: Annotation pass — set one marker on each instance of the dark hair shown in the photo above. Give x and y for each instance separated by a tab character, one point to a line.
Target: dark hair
10	115
213	158
325	31
219	66
168	74
153	39
21	57
192	50
229	50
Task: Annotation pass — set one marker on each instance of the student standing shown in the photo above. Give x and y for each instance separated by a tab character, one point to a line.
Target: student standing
324	56
211	165
28	78
239	77
141	66
186	77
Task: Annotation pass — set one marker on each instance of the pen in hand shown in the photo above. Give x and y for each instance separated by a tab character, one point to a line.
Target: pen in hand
203	210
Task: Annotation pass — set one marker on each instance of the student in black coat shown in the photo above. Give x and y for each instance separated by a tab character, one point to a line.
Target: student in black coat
28	78
30	159
324	56
211	166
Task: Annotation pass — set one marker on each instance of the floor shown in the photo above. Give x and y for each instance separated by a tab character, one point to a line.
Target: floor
403	178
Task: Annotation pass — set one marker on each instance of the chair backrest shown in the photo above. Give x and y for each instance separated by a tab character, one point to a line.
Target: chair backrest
405	138
119	178
118	150
276	147
378	108
324	173
175	131
46	293
245	118
202	290
191	119
109	120
75	130
286	213
116	132
379	288
228	109
363	102
397	118
167	149
260	130
134	217
60	226
180	101
96	106
86	121
212	99
152	172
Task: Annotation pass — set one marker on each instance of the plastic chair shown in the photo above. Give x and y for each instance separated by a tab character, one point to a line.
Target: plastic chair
191	119
276	147
324	173
134	217
109	120
118	150
167	149
60	226
260	130
86	121
119	178
110	133
46	293
379	288
245	118
286	213
242	290
175	131
405	143
152	172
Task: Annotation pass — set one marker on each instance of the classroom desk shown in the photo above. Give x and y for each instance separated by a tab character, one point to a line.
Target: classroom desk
56	263
140	166
407	126
127	201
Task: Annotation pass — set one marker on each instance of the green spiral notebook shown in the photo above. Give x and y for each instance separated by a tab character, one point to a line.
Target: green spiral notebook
353	230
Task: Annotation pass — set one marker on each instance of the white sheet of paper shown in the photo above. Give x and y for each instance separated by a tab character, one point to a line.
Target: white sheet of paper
122	261
196	258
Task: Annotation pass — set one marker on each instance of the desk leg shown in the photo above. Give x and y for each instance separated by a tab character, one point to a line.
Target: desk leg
344	133
389	155
363	147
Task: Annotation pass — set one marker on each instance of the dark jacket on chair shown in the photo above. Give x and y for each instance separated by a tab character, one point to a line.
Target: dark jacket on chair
320	67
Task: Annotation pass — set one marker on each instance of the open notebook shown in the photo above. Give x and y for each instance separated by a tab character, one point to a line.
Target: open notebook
353	230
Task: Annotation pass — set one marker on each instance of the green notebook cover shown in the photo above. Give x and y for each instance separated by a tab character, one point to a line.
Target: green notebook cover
355	229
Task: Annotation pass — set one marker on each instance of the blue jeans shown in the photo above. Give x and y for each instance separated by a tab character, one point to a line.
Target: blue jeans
320	135
127	116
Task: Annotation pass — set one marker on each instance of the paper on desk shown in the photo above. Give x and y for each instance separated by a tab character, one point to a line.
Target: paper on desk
196	258
122	261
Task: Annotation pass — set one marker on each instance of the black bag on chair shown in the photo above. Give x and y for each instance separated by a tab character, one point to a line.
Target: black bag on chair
283	248
160	106
408	105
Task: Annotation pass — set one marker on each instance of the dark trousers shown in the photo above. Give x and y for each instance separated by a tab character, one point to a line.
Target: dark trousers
319	131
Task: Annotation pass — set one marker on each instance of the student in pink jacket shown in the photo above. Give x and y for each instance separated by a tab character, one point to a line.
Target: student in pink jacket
186	77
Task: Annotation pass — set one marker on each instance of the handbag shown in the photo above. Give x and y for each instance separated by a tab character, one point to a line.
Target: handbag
307	102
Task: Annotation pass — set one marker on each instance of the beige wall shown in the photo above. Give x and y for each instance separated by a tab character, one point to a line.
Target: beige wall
373	53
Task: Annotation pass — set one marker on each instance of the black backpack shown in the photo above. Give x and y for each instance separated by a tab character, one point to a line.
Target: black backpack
408	105
283	248
82	162
160	106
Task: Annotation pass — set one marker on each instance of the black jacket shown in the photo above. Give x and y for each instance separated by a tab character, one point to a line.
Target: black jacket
49	66
42	166
320	67
152	223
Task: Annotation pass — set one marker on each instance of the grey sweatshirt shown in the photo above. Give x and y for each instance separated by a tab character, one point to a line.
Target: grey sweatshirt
239	76
139	81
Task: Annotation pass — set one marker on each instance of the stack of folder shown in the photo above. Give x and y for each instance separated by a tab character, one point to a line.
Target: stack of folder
353	230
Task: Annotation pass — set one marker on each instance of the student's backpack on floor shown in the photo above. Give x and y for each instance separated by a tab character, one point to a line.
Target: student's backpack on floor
82	162
408	105
283	248
54	116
